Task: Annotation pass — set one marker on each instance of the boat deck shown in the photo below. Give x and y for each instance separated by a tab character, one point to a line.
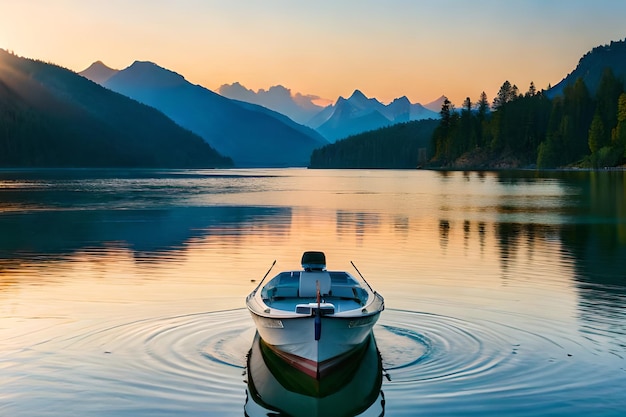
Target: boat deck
294	291
290	303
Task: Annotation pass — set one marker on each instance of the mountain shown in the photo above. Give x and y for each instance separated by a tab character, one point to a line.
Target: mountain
592	65
98	72
435	105
298	107
358	114
53	117
250	134
416	111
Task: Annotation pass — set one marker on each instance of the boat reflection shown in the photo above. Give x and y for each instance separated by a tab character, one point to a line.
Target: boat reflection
275	388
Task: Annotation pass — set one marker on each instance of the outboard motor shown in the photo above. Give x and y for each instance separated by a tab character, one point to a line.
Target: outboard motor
313	261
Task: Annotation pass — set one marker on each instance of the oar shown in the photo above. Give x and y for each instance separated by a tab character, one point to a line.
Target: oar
265	276
362	277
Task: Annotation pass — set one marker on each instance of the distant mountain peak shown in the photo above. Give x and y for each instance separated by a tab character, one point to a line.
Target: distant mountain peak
360	101
358	113
148	73
98	72
403	99
435	105
357	94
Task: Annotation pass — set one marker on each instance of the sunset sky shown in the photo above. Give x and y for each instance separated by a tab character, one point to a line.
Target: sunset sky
385	48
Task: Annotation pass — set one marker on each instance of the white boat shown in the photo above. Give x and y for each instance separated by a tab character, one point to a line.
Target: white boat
313	318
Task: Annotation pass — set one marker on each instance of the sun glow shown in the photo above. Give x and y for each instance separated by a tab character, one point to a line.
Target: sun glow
280	43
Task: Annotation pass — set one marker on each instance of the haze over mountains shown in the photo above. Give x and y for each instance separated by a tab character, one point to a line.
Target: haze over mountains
251	135
298	107
50	116
345	117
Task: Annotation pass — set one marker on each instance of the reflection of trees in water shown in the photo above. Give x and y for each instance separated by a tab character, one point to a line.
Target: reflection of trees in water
466	233
358	223
600	266
507	237
53	235
590	232
481	235
444	233
593	242
596	242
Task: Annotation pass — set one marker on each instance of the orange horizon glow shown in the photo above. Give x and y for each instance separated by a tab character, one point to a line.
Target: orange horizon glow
415	49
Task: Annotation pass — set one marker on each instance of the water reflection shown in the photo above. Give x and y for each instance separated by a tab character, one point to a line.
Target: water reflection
578	216
537	260
277	389
576	220
148	234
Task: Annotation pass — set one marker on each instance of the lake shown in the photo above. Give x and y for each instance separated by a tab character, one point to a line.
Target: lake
122	291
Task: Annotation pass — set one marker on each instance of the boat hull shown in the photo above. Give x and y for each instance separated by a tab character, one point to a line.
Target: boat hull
294	339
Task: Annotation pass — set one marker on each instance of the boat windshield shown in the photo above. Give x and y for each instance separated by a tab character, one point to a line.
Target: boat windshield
284	284
288	285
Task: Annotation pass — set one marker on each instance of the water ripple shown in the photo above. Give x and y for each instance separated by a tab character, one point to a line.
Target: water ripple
461	366
195	365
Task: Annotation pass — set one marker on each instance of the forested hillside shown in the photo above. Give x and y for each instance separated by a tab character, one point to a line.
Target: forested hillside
591	67
525	130
52	117
405	145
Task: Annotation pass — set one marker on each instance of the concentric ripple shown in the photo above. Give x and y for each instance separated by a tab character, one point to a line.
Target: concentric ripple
450	366
182	365
195	365
422	347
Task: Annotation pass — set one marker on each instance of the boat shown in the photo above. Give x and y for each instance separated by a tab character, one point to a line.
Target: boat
275	388
314	319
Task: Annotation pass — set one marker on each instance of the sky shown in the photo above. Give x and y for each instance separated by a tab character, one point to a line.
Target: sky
421	49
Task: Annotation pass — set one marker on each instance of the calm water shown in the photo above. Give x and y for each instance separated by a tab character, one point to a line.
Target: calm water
122	292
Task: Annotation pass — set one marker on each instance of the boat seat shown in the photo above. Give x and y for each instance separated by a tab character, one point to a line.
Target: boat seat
285	292
344	292
308	286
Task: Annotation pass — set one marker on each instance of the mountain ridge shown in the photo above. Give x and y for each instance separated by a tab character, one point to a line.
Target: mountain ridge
298	107
359	113
250	134
52	117
346	122
591	66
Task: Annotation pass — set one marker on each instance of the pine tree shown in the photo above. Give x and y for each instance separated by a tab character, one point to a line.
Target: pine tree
504	95
619	136
483	105
481	118
467	131
532	91
596	133
607	97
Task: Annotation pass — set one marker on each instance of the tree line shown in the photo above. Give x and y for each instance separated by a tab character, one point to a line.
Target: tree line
531	129
400	146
